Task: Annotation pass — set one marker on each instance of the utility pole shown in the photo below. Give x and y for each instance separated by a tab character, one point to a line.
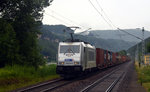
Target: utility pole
138	60
137	53
143	45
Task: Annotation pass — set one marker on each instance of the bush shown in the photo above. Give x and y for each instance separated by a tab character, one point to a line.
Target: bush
144	76
19	76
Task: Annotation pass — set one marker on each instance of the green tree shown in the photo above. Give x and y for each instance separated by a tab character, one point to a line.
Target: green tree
123	52
148	47
8	44
25	16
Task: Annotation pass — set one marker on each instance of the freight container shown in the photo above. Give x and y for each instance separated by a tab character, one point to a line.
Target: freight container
118	57
106	62
99	58
123	58
114	60
109	58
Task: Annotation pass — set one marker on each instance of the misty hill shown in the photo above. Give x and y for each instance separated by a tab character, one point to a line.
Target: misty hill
54	28
53	34
109	44
116	34
133	49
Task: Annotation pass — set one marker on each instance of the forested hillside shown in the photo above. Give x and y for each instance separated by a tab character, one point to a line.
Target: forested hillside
116	34
133	49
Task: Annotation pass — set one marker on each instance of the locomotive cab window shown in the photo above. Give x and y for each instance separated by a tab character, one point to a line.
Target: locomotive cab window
70	49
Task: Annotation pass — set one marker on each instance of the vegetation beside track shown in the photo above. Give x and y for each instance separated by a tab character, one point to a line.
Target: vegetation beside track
17	76
143	76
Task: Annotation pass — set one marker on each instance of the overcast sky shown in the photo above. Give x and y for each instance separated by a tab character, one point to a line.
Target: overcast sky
124	14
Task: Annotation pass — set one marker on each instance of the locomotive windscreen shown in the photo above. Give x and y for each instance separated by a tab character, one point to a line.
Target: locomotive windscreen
69	48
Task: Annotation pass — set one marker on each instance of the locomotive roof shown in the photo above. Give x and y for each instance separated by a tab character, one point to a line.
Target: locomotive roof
76	40
77	43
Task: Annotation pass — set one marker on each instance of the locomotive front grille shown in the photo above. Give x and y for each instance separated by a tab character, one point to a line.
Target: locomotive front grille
68	69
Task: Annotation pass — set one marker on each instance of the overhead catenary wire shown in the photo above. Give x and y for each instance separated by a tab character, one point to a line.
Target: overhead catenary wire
112	22
100	14
71	21
129	33
65	22
105	14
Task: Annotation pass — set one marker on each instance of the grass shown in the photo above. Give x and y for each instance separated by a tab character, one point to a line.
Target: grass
15	77
144	76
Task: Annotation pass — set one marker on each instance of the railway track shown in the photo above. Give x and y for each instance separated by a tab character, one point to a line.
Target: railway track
106	83
100	78
110	88
48	86
56	86
42	87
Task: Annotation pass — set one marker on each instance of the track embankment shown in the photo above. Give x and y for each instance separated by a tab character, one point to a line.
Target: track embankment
129	82
121	78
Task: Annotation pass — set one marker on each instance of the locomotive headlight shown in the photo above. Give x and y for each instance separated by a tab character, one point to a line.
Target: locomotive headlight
76	63
61	63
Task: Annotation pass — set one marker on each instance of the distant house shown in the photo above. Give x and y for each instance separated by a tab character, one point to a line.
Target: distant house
56	40
147	59
39	36
46	38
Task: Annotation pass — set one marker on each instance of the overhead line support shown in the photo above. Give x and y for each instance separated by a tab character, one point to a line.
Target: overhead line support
130	34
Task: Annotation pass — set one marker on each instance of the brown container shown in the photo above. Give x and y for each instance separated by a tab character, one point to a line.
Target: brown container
123	58
118	57
99	57
110	58
114	58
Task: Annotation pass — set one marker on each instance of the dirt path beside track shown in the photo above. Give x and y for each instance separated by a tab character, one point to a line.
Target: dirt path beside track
129	83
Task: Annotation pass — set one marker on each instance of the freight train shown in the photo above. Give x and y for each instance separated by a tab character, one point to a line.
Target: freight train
77	57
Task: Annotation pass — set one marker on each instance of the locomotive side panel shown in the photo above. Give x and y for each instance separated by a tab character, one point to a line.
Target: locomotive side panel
90	58
83	61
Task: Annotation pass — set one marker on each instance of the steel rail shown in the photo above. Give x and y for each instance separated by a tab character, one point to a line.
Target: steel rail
40	85
114	83
97	82
55	87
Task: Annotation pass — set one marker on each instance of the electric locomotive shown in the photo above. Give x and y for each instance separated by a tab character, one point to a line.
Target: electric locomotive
75	57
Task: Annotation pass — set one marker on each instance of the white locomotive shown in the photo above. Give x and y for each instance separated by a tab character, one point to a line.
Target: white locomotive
75	58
